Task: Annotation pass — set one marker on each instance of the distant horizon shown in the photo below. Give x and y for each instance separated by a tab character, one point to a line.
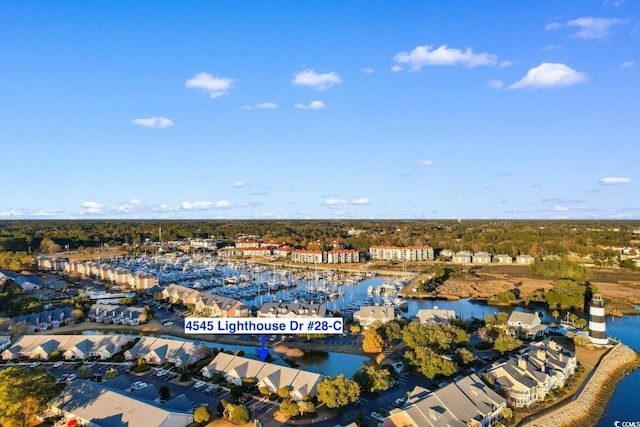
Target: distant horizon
456	220
320	110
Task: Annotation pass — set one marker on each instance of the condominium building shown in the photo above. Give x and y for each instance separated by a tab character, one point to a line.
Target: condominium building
398	253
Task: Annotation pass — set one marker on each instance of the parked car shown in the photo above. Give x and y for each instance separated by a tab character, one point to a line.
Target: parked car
167	323
34	364
376	416
246	398
213	388
161	373
72	377
199	385
58	364
400	401
138	385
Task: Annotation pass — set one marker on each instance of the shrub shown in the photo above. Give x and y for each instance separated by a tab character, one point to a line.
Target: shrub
216	377
283	392
236	391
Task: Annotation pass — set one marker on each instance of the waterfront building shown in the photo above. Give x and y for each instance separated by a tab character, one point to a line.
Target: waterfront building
434	315
292	309
220	306
342	256
247	243
399	253
529	376
159	351
308	256
236	368
528	324
208	244
597	326
366	316
466	402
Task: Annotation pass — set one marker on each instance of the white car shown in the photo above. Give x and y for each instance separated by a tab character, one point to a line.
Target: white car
138	385
376	416
167	323
34	364
161	372
199	385
72	377
58	364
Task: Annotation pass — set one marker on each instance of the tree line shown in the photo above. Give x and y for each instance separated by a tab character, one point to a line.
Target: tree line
536	238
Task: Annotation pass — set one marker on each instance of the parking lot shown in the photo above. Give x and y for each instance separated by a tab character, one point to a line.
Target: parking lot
259	408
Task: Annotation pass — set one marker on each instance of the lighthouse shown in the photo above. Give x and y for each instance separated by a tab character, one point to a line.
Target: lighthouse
597	326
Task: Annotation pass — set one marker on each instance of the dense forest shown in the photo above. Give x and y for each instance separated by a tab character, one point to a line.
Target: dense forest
537	238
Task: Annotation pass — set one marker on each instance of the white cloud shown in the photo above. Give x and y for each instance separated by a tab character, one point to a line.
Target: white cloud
317	81
552	26
91	208
425	162
589	28
213	85
203	206
549	75
335	202
134	205
161	208
593	28
507	63
360	201
609	180
426	55
11	213
314	105
196	206
495	84
552	47
261	106
154	122
46	212
560	209
396	68
239	184
367	70
628	64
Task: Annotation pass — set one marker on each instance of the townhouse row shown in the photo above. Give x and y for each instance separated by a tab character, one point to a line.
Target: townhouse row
100	271
153	350
468	257
236	368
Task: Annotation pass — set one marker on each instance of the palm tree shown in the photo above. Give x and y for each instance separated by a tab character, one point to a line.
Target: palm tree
555	314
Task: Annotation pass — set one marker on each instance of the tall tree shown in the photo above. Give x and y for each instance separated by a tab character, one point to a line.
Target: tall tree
24	393
337	392
371	378
372	342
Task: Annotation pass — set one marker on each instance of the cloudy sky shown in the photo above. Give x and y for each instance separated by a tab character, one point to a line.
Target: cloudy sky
332	109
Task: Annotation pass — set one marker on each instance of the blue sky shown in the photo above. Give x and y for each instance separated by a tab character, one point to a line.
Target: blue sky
323	109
